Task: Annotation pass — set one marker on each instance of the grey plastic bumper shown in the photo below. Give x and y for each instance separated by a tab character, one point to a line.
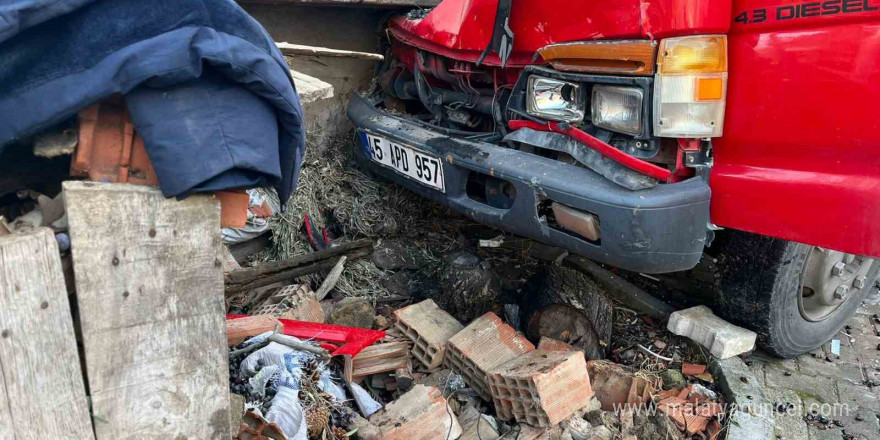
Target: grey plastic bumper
656	230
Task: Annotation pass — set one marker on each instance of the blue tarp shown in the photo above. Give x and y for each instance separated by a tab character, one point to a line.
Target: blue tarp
206	87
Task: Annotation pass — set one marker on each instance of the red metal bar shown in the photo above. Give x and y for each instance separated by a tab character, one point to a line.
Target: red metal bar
606	150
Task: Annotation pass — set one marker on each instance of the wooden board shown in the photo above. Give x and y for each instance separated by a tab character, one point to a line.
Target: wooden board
150	291
42	394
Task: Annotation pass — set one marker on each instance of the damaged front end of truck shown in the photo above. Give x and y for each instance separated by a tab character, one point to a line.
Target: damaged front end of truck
583	125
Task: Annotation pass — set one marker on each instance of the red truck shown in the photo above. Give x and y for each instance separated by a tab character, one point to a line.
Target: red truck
639	132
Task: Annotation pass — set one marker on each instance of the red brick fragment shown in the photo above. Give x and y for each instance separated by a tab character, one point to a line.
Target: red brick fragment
550	344
684	414
541	388
254	427
484	344
615	385
692	369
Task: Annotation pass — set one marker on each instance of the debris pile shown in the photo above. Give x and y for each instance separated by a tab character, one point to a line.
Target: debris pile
428	376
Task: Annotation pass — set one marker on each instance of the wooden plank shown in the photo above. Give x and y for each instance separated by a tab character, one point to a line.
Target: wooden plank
315	51
150	291
42	394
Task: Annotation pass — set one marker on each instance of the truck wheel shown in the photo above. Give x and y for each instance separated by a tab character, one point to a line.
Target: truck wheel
795	296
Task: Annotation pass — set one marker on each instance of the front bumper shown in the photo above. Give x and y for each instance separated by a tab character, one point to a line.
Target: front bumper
657	230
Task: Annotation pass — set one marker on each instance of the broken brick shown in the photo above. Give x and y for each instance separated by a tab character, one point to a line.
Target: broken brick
615	385
692	369
429	327
683	414
484	344
255	427
420	414
239	330
541	388
550	344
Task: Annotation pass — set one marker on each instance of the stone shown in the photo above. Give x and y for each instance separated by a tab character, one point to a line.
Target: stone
673	379
722	338
737	382
746	426
365	429
353	312
398	283
858	396
420	414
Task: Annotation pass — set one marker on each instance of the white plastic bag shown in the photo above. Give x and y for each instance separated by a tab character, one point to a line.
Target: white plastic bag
287	412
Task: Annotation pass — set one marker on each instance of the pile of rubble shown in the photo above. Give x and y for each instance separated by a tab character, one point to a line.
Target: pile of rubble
425	375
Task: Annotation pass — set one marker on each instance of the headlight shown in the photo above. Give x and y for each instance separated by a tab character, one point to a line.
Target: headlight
618	109
555	100
691	87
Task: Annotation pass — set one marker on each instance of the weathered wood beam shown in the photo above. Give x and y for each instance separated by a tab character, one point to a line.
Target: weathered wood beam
301	50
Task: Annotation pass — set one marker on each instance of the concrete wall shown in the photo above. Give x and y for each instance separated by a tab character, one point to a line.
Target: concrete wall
337	27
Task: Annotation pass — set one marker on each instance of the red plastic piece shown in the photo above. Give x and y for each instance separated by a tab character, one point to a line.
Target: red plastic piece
606	150
352	339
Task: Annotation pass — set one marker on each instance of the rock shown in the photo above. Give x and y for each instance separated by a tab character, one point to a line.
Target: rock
381	322
365	429
604	433
464	286
577	427
398	283
594	405
353	312
723	339
673	379
395	255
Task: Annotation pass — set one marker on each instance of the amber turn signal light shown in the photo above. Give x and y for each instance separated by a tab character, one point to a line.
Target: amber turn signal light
628	57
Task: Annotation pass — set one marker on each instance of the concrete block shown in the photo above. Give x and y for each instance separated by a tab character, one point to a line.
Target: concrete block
541	388
420	414
484	344
429	327
722	338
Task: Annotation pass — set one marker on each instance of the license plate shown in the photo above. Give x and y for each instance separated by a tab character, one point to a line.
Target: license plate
423	168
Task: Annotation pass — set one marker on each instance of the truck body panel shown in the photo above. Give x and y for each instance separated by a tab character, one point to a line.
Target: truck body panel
800	155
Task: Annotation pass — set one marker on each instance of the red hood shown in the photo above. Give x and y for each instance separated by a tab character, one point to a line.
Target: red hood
462	29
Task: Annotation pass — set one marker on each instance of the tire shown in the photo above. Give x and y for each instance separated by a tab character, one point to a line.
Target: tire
760	288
